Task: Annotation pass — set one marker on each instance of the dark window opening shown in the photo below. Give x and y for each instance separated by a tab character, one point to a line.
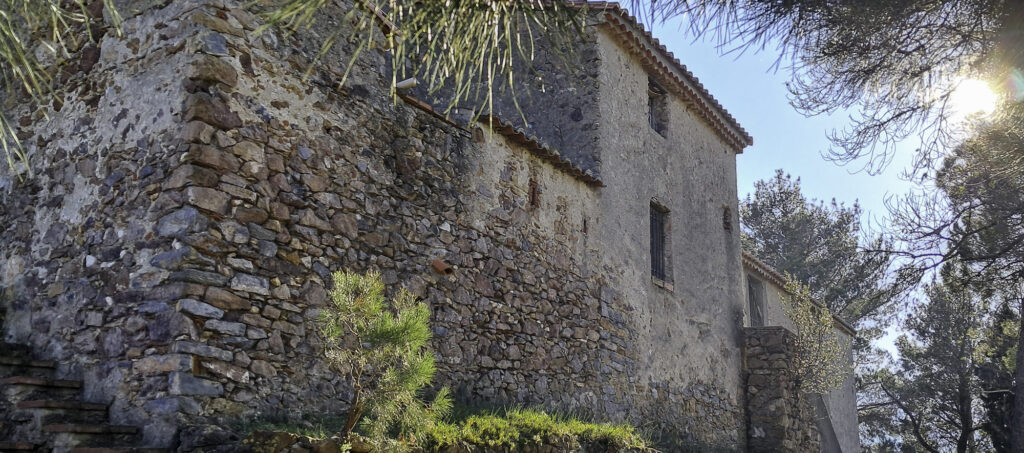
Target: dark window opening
657	107
727	218
534	193
659	229
755	301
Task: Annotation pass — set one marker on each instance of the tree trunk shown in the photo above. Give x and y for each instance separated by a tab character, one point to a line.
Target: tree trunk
354	413
965	405
1017	420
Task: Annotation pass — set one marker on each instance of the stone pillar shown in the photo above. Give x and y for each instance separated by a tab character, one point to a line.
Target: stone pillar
779	416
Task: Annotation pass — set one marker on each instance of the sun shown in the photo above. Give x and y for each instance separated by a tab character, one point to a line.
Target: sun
973	96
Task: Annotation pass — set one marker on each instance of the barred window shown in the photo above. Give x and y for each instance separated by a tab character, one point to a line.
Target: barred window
659	235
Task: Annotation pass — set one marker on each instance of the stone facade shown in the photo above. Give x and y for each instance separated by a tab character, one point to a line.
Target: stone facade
194	193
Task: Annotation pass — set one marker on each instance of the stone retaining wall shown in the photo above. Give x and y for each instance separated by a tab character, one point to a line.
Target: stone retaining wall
780	417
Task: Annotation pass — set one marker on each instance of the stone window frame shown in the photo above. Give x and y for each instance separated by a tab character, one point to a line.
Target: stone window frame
661	247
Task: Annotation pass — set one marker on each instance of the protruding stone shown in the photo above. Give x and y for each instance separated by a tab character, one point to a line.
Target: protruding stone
213	69
345	224
234	232
194	307
198	276
162	363
174	259
315	183
210	110
180	383
197	132
224	299
211	157
249	151
263	368
191	175
236	329
202	350
309	218
250	215
217	24
250	283
208	199
229	371
215	44
181	222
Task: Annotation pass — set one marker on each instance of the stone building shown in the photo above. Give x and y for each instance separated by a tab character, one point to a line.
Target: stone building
192	194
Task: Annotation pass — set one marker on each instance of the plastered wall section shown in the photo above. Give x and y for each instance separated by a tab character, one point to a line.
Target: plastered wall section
692	332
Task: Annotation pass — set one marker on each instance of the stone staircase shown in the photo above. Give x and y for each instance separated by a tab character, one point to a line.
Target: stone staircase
41	413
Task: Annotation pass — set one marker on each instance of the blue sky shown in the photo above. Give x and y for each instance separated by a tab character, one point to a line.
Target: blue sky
783	138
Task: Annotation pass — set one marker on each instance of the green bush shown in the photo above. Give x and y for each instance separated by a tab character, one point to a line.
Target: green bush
517	427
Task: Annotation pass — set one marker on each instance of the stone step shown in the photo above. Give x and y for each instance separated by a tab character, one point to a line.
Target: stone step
118	450
65	436
9	446
31	381
24	388
15	366
58	404
90	429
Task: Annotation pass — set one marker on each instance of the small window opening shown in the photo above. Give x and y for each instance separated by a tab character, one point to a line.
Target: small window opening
534	194
659	242
657	107
727	219
755	301
584	225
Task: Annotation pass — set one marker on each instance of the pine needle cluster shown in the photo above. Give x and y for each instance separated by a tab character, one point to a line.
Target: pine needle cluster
468	47
37	37
382	348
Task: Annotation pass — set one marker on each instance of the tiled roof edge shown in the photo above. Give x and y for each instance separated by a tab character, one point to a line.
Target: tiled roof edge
671	72
540	149
751	261
414	102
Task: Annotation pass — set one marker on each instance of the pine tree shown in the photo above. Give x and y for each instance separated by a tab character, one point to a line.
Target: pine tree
382	348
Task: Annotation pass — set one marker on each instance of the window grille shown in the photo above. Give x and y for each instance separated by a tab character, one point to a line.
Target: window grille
658	226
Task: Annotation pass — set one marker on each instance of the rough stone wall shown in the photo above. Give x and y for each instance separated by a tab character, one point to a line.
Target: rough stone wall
195	193
81	241
779	417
